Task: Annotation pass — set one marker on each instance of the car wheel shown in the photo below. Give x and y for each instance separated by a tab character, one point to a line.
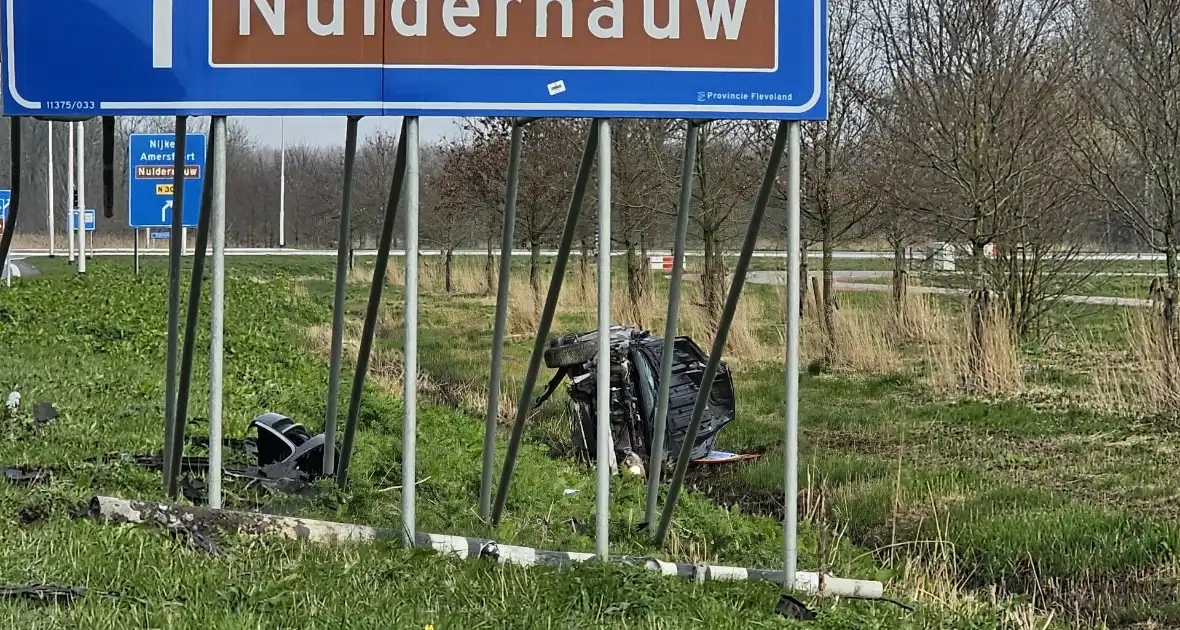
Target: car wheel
569	354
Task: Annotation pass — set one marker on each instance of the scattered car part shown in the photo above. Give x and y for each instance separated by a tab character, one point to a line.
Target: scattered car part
61	595
792	608
44	412
723	457
575	348
635	360
188	535
245	445
27	476
284	447
32	514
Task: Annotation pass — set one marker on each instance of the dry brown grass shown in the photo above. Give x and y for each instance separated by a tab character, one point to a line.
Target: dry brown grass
955	365
95	239
387	368
1143	378
870	338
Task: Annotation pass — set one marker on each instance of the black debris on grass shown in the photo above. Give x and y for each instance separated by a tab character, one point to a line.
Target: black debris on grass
44	412
189	535
792	608
27	476
33	514
42	594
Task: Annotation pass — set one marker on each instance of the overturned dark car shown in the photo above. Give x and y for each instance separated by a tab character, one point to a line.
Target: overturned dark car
635	357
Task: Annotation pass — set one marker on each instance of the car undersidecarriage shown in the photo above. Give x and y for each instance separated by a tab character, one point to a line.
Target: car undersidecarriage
635	357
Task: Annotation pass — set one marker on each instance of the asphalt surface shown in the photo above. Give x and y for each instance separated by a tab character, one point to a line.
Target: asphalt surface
842	284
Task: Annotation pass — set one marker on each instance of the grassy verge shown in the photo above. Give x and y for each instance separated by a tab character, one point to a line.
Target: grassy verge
1038	489
94	346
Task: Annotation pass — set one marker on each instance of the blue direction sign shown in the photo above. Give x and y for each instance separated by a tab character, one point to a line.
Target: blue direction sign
665	58
89	219
150	160
5	200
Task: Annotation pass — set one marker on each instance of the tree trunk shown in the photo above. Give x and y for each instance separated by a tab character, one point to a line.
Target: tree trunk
829	287
713	278
535	272
899	278
979	316
489	266
1015	280
633	271
644	272
804	275
584	270
1172	333
449	270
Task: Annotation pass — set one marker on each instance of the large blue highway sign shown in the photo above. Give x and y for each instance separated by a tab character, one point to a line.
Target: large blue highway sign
150	160
642	58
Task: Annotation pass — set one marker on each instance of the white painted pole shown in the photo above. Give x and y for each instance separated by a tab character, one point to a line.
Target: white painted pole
81	212
791	443
217	314
70	189
410	351
283	181
603	440
49	209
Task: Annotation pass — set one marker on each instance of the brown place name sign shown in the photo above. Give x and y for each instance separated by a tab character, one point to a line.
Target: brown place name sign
733	35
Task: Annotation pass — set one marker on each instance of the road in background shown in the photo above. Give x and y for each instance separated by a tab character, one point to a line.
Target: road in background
766	253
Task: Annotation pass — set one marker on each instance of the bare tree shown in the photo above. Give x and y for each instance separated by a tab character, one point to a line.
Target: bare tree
446	220
836	199
638	195
1130	154
479	173
727	175
982	98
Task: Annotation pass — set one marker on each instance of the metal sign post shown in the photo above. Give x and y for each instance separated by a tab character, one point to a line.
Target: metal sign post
660	419
184	386
71	192
603	442
500	328
49	210
340	296
11	200
376	289
727	313
410	364
217	314
174	253
791	441
81	199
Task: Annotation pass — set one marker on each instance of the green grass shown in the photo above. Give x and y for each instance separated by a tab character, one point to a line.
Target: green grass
94	346
1044	502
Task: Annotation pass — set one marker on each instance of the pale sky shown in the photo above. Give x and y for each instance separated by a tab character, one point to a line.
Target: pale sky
325	130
